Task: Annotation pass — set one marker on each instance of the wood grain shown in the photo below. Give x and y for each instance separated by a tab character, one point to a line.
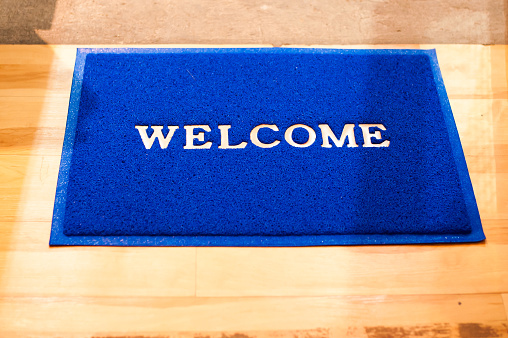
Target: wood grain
505	300
161	314
352	270
365	291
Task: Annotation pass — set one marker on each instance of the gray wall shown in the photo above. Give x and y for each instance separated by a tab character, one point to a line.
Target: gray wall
274	22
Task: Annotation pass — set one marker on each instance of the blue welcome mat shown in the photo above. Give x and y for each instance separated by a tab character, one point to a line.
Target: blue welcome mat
261	147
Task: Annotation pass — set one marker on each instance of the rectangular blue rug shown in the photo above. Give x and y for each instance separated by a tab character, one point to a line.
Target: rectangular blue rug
261	147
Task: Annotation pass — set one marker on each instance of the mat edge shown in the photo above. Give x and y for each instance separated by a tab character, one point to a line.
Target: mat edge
67	148
457	150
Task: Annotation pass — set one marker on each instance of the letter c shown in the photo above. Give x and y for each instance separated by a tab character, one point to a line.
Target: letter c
254	136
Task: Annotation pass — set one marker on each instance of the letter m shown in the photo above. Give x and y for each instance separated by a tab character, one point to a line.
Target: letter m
157	134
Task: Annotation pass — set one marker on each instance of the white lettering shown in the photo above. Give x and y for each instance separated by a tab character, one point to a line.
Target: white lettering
157	134
190	137
289	136
348	131
224	139
367	136
347	135
254	136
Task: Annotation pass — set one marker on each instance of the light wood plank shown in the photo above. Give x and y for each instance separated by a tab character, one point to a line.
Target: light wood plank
32	125
442	269
33	112
505	301
491	194
36	55
434	330
474	77
34	81
502	196
49	71
98	272
28	187
301	271
157	316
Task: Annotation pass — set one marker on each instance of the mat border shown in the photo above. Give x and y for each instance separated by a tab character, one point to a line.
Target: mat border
58	238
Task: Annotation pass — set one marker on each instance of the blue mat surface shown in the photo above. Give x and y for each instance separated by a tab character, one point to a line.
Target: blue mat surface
261	147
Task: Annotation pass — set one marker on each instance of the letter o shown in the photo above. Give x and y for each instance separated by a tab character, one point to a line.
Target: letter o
288	135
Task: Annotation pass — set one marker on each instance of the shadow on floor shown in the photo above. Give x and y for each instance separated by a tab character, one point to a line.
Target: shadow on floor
19	20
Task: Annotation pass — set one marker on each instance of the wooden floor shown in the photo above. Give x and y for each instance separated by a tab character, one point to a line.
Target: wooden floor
458	290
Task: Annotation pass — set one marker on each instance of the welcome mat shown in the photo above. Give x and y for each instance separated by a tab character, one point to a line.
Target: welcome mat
261	147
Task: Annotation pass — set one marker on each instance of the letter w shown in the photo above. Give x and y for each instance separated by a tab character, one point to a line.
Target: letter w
157	134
